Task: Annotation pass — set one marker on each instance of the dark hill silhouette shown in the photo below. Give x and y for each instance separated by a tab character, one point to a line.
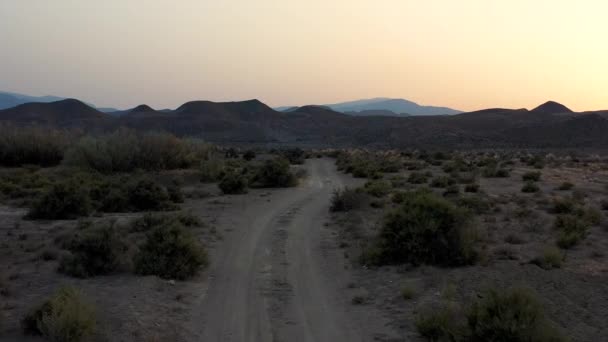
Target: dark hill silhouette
551	107
69	112
254	122
143	108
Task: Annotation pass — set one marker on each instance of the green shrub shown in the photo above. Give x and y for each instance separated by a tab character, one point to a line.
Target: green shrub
212	170
417	178
572	230
552	257
427	229
346	199
530	187
233	183
408	292
377	188
146	194
565	186
442	182
150	221
493	171
532	176
31	145
440	324
170	252
514	315
249	155
93	253
65	200
275	173
471	188
452	190
126	150
475	203
65	317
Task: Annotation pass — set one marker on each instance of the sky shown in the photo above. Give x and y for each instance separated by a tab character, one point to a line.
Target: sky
465	54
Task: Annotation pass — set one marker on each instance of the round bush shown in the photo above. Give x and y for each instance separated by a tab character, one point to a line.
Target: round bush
65	317
148	195
67	200
95	253
427	229
170	252
233	183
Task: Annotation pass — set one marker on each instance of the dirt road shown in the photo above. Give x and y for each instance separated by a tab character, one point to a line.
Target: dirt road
273	279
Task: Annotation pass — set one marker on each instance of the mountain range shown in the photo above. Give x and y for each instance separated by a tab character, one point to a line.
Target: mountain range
550	125
382	106
9	100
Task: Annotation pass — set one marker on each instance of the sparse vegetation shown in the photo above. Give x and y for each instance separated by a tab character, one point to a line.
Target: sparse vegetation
65	317
346	199
427	229
170	252
532	176
233	183
31	145
513	315
530	187
93	253
274	173
65	200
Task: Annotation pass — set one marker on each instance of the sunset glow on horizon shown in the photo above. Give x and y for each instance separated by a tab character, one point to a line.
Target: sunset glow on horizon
468	55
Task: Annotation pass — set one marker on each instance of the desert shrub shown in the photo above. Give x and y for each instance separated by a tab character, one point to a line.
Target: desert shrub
65	200
233	183
513	315
417	178
212	169
442	182
565	186
377	188
249	155
471	188
493	171
408	292
572	230
566	205
275	173
175	193
552	257
532	176
346	199
530	187
146	194
294	155
440	324
474	203
452	190
427	229
93	253
151	220
170	252
231	153
126	151
65	317
31	145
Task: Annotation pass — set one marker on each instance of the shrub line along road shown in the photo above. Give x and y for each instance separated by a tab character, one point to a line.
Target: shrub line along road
271	281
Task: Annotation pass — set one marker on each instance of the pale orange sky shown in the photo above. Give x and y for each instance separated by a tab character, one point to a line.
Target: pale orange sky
466	54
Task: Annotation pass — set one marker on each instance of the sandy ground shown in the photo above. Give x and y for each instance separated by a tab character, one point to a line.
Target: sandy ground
274	279
276	273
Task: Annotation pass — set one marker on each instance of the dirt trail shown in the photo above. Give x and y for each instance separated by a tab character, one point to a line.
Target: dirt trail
272	280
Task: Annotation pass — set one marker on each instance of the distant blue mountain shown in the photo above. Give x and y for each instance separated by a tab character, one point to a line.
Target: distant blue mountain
10	100
398	106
